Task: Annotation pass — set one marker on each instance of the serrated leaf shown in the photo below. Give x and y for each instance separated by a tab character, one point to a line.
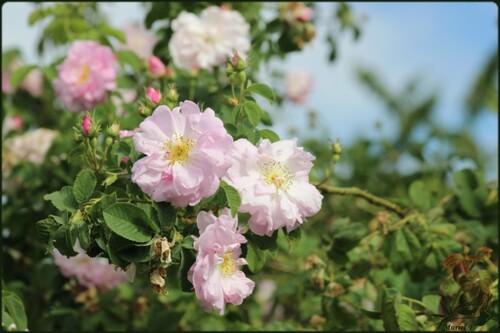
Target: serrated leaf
232	196
19	74
167	214
255	257
126	57
128	221
63	199
187	260
15	308
253	112
420	195
402	245
263	90
84	185
46	229
432	303
64	240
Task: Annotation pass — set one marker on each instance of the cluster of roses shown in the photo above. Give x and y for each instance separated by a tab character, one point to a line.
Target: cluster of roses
187	153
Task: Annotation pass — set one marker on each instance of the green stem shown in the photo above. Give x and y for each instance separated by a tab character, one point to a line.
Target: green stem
242	85
192	86
365	195
411	300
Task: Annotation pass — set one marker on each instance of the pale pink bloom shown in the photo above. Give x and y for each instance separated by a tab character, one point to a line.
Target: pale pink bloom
11	123
33	82
86	76
208	40
273	182
127	97
6	87
298	85
139	40
86	124
153	95
90	272
126	133
156	67
216	277
186	154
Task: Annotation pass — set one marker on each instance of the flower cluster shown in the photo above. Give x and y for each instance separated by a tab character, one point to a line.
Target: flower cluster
215	275
208	40
90	272
86	76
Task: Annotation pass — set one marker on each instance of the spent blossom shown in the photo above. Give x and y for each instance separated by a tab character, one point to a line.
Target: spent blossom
208	40
216	277
86	76
273	182
186	154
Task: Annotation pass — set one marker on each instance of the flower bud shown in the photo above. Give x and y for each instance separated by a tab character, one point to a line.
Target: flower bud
93	142
153	95
109	141
172	95
232	101
337	148
114	130
144	111
229	69
242	76
86	125
156	67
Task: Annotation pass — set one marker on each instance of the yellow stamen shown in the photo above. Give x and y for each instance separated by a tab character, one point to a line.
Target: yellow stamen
177	149
84	75
277	174
228	266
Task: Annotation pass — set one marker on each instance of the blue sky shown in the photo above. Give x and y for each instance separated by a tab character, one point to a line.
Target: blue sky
443	43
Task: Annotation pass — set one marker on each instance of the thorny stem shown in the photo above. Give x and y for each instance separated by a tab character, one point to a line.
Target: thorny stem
365	195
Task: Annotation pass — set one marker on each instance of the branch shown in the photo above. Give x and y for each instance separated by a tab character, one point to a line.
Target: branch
365	195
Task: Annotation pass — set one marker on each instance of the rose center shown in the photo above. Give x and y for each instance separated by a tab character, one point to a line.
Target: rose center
177	149
275	173
228	267
84	75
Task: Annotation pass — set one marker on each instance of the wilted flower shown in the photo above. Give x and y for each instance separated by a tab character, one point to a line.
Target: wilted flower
216	277
186	154
298	84
208	40
90	272
86	76
273	182
153	95
139	40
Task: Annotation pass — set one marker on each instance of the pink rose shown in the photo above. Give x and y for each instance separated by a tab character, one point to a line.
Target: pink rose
216	277
139	40
156	67
186	154
86	76
273	182
298	84
153	95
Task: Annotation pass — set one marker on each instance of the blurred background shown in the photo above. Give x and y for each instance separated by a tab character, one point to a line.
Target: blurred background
440	47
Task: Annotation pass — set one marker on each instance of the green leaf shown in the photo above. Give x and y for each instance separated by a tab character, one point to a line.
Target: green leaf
407	321
65	239
390	297
38	15
15	308
19	74
402	245
432	303
255	257
63	199
253	112
128	221
270	135
420	195
83	234
233	197
263	90
167	214
371	314
293	237
118	34
466	179
46	229
126	57
187	260
84	185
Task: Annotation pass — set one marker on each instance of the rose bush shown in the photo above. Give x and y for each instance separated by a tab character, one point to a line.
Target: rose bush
143	187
